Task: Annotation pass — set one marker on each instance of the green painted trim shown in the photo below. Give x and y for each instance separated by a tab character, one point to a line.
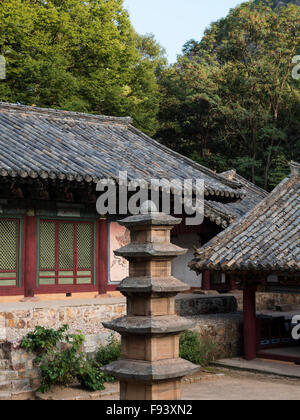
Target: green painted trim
11	216
20	262
68	219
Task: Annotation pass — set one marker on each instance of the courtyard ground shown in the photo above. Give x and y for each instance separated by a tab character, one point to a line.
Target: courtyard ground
222	384
242	386
231	385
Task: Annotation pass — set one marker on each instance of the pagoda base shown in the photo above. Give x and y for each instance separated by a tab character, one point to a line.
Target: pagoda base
143	391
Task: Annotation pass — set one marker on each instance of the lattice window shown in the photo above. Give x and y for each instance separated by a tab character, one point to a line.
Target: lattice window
9	251
84	245
66	253
66	245
47	245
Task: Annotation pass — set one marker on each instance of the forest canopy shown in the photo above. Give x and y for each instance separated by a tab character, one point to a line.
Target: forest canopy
231	100
80	56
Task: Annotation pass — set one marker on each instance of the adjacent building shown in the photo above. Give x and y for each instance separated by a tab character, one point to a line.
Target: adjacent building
52	240
262	251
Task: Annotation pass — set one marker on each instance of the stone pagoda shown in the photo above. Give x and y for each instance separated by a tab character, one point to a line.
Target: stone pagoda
150	368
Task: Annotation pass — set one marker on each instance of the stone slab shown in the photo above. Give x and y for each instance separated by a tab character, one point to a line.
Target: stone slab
283	369
147	325
12	306
150	250
187	305
140	370
152	285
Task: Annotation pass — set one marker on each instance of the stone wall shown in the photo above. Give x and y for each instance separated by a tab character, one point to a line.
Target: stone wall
16	320
269	301
197	304
216	319
224	330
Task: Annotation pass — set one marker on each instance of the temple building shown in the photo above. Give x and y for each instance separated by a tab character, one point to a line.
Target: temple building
52	240
262	251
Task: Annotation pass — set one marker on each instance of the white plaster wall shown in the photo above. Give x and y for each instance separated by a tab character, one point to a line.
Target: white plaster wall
180	268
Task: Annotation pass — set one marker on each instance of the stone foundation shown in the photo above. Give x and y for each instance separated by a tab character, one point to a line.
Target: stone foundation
196	304
224	329
269	301
17	319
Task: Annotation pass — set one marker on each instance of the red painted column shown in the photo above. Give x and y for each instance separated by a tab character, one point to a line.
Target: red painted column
30	257
206	280
249	321
102	256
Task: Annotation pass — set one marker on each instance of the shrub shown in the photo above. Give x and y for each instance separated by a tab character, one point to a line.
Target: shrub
61	369
91	377
68	365
43	340
195	349
108	353
58	367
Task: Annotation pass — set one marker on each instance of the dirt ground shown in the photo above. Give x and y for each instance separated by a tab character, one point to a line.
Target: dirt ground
239	386
223	385
242	386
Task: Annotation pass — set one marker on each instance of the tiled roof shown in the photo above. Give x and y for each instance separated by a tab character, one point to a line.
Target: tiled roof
252	196
47	143
266	239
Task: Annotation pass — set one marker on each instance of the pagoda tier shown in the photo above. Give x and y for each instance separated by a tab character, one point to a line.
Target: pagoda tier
150	368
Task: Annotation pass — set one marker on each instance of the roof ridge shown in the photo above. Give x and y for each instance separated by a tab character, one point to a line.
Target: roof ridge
295	168
60	113
207	171
233	174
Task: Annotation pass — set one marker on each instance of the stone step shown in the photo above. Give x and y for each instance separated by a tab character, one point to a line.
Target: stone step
5	386
4	364
20	385
23	395
4	396
8	375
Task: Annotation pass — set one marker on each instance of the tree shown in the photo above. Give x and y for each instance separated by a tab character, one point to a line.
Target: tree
79	55
231	98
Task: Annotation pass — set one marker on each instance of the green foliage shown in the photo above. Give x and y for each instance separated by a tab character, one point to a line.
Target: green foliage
43	340
108	353
62	362
91	377
230	100
280	170
79	56
195	349
63	367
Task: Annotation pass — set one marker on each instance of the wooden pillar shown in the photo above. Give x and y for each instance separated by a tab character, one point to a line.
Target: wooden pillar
232	282
249	306
102	256
150	368
206	280
30	258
